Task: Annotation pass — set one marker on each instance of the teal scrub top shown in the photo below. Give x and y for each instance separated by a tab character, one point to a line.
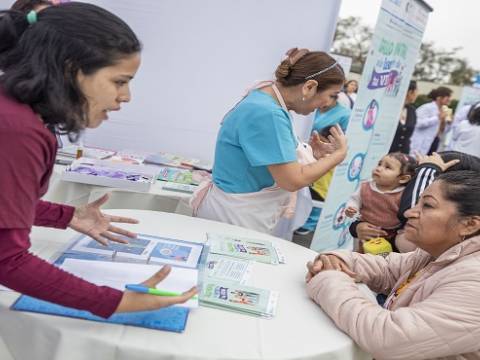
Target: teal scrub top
339	114
254	134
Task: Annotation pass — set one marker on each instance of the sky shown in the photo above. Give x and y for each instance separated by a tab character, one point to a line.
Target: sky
451	24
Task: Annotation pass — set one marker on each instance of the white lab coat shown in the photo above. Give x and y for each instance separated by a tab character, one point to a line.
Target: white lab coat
466	138
428	120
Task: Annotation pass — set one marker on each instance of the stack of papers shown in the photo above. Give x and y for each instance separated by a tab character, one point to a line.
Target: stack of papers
167	159
245	248
239	298
227	269
173	160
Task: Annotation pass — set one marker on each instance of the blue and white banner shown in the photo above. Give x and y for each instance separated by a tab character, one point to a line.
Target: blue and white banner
389	66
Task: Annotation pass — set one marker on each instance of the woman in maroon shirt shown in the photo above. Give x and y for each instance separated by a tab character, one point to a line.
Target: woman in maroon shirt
63	69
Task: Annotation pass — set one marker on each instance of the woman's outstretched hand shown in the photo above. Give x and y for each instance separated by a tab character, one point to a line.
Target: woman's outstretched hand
132	301
89	220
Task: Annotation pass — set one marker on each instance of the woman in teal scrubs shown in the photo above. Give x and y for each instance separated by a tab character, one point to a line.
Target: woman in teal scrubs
258	160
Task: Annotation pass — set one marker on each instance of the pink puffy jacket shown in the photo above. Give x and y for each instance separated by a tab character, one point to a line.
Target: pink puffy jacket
437	316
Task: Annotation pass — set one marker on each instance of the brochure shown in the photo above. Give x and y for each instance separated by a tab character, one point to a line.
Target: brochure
176	175
226	268
145	249
244	248
239	298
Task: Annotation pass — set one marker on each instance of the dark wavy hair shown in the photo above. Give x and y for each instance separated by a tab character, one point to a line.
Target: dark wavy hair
441	91
467	161
27	5
462	188
41	61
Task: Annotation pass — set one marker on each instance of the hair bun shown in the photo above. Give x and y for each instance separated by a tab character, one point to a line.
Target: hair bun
283	70
295	54
291	58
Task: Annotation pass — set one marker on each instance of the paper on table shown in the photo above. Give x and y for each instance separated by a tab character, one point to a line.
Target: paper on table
117	275
227	268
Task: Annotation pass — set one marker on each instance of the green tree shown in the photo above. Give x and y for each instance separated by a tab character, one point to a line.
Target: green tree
353	38
442	66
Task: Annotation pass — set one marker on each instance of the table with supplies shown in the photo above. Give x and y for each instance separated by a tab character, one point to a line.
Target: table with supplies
298	330
159	197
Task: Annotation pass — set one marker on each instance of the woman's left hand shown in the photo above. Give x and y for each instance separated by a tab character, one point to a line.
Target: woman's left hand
327	262
321	146
89	220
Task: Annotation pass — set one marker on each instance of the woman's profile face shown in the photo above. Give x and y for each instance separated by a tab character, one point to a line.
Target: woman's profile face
433	224
320	100
107	88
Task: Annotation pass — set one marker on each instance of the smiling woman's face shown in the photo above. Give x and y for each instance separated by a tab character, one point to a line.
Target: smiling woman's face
434	223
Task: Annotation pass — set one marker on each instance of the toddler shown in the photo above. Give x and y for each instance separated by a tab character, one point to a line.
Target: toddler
377	201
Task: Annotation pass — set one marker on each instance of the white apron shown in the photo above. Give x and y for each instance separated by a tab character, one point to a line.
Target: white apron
261	210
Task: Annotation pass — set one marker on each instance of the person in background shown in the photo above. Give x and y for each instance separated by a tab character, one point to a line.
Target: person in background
348	96
64	68
431	121
466	135
407	122
258	159
323	121
431	311
377	201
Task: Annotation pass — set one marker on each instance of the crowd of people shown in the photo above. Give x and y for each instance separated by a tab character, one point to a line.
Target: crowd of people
64	67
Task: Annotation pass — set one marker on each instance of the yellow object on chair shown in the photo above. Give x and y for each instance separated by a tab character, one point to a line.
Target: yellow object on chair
377	246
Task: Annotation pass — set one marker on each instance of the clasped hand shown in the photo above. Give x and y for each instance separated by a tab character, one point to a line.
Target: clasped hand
327	262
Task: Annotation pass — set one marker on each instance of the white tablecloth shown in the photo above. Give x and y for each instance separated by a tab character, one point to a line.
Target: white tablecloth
300	330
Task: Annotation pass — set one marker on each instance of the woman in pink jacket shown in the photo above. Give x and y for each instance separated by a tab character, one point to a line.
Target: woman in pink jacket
433	308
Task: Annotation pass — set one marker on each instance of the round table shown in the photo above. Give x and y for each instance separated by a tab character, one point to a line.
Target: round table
300	329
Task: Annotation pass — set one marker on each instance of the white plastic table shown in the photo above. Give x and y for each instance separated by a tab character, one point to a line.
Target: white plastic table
159	199
300	329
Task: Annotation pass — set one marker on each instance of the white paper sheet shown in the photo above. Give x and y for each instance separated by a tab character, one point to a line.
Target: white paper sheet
117	275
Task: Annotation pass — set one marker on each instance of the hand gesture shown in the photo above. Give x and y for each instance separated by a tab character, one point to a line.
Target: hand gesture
327	262
350	211
321	146
338	141
132	301
367	231
89	220
435	159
